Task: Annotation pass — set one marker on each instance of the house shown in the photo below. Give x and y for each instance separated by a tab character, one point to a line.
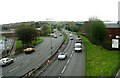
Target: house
113	29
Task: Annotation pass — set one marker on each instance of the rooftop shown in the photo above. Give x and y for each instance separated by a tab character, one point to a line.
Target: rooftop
112	25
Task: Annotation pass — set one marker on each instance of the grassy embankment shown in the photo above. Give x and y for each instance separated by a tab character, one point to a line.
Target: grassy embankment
100	62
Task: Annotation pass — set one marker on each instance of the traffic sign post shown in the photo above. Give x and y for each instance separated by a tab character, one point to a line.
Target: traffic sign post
115	43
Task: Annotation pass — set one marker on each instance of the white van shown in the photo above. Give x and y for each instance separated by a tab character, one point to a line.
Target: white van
78	47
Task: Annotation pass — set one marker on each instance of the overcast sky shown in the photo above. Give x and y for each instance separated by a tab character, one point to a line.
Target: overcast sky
59	10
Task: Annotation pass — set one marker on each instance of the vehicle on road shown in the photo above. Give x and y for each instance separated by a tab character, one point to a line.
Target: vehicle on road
70	35
78	47
52	34
78	38
29	50
55	36
60	34
71	38
62	55
6	61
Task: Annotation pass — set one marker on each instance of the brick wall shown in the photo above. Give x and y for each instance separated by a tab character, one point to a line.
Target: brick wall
113	32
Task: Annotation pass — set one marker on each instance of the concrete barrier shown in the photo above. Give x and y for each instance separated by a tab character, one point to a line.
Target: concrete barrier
32	72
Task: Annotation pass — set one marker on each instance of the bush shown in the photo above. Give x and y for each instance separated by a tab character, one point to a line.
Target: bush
107	44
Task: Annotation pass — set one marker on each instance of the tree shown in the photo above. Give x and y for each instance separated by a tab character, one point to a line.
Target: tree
26	34
71	26
37	25
86	28
98	31
59	28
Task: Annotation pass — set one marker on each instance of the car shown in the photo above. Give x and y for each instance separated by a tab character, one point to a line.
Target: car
71	38
70	35
78	38
55	36
60	34
78	47
6	61
78	41
52	34
29	50
62	55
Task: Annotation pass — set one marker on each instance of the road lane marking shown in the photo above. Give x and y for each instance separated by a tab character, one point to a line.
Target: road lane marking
26	61
59	77
1	76
68	61
71	55
14	69
63	69
72	51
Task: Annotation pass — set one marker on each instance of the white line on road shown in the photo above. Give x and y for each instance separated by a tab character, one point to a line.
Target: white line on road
26	61
1	76
14	69
59	77
71	55
63	69
68	61
72	51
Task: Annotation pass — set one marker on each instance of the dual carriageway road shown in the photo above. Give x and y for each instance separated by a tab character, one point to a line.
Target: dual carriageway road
74	65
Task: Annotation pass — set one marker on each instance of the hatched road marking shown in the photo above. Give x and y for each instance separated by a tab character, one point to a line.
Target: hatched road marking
14	69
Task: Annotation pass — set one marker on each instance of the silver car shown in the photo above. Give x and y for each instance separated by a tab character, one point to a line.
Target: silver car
5	61
62	55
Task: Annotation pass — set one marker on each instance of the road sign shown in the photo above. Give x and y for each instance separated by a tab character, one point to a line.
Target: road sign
115	43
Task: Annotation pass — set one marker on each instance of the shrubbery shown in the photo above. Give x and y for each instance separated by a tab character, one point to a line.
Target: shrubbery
107	44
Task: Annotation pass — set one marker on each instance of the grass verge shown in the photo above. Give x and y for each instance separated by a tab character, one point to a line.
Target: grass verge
100	62
66	37
34	42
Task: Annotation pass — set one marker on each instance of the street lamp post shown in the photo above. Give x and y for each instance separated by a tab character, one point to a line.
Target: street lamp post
5	46
50	33
51	38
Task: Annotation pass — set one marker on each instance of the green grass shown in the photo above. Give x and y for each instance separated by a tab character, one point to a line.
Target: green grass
34	42
39	40
100	62
66	37
19	44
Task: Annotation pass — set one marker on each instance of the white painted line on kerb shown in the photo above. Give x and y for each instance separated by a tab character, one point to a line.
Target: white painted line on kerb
1	76
63	69
71	55
59	77
68	61
14	69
